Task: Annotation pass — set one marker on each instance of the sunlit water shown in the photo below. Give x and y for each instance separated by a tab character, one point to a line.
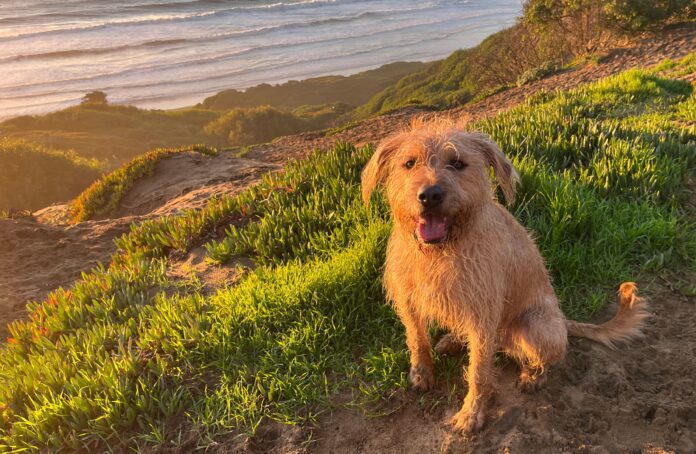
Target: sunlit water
172	53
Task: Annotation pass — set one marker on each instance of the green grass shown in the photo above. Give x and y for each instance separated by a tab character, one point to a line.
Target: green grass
537	73
130	357
33	176
103	197
299	217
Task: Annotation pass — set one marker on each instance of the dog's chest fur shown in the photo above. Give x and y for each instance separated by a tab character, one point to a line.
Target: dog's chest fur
443	284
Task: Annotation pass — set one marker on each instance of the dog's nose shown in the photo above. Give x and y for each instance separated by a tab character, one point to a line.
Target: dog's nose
431	196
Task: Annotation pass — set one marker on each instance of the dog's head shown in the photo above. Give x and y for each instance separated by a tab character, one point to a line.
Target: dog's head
436	178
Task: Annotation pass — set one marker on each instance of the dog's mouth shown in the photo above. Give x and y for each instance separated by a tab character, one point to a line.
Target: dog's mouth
432	228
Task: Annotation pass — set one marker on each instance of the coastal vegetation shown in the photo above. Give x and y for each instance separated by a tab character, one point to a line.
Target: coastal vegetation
352	90
547	37
132	356
111	133
33	176
248	126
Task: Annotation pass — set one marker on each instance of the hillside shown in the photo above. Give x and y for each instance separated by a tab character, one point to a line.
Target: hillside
352	90
240	325
549	37
33	176
22	264
115	134
111	133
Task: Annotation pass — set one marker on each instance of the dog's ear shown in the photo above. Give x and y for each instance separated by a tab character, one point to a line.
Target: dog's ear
505	173
377	168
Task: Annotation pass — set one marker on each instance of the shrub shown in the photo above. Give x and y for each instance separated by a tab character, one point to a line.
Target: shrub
94	97
537	73
324	115
255	125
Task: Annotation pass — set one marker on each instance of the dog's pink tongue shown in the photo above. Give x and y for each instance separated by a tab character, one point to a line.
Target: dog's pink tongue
432	228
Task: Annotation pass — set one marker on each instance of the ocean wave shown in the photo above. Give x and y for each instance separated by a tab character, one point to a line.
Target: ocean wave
140	20
218	2
259	66
154	19
296	62
203	39
91	51
79	12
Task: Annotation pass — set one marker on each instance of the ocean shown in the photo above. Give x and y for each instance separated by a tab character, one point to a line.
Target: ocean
173	53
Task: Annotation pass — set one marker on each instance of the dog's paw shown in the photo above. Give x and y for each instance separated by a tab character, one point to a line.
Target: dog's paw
468	420
531	379
421	378
448	345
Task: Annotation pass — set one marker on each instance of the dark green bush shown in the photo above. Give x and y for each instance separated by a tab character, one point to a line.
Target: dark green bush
256	125
537	73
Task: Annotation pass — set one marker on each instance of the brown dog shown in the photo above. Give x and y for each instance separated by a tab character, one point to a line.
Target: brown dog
459	258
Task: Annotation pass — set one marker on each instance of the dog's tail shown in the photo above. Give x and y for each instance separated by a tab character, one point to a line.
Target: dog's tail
625	325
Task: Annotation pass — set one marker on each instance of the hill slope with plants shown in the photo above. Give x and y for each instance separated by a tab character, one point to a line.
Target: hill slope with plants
117	133
112	133
549	36
103	197
33	176
137	356
353	90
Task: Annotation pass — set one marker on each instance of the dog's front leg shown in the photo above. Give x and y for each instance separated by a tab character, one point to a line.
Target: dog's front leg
480	379
421	374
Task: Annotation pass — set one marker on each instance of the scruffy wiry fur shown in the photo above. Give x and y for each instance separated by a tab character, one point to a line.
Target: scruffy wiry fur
486	282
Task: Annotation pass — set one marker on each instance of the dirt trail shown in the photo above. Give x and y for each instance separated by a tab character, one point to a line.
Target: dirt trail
189	180
639	398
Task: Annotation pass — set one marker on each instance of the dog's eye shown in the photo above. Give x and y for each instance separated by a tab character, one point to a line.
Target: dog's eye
458	164
410	163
